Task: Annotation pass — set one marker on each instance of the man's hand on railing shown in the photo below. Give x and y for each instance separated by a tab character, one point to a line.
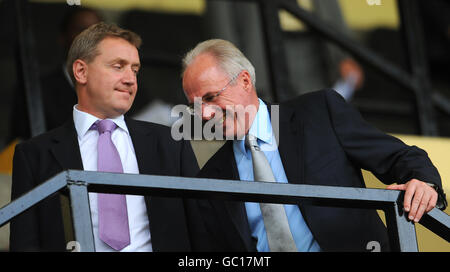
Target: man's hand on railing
419	198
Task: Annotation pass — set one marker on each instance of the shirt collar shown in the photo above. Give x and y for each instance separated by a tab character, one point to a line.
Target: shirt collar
83	121
261	128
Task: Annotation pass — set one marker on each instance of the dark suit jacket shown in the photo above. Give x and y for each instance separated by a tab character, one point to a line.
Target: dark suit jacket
37	160
322	141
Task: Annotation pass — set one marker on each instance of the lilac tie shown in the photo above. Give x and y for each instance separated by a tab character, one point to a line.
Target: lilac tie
112	208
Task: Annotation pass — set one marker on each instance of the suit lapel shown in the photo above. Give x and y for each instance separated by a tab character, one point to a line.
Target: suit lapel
66	151
166	215
144	143
65	147
290	145
223	161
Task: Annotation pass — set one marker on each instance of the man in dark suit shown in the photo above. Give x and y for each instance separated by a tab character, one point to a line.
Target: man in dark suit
103	63
321	140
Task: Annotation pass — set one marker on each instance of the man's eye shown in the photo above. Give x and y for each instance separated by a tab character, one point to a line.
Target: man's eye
117	66
209	98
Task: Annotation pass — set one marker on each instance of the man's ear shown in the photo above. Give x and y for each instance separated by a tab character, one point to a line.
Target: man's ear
246	80
80	71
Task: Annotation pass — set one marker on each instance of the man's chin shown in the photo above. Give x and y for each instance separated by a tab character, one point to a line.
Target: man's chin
121	110
233	135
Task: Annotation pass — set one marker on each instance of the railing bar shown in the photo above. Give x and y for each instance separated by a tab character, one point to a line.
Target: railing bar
401	231
438	222
134	184
31	198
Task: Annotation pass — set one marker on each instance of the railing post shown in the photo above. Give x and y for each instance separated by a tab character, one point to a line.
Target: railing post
29	68
81	216
279	74
413	33
402	232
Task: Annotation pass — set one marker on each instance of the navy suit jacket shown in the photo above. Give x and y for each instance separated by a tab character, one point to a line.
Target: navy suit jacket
322	141
37	160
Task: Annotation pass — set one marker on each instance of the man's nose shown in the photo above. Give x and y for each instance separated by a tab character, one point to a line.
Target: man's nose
208	112
129	77
211	111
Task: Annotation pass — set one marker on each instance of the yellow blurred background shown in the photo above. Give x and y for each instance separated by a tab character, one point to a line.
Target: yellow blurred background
367	16
437	149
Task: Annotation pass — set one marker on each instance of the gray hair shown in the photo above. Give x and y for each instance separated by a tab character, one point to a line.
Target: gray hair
230	59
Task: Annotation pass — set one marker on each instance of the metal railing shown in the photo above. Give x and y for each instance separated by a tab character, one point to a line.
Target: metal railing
401	231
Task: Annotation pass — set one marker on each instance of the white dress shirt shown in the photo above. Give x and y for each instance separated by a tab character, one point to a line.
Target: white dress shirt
140	239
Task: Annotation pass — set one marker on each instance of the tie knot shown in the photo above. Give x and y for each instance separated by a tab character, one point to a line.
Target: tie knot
104	125
251	142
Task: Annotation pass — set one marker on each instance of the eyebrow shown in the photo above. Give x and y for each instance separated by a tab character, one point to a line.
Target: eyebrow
205	95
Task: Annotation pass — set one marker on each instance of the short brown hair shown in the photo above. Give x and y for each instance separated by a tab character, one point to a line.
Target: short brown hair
84	46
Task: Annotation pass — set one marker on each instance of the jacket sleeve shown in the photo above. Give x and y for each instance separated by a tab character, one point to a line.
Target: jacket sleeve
24	229
387	157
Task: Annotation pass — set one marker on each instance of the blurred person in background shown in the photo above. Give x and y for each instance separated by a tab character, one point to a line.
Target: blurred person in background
58	92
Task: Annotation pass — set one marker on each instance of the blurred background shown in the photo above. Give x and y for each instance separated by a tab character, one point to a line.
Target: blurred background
388	58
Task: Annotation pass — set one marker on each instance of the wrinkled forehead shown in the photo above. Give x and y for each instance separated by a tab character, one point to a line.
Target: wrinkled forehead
202	73
201	64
